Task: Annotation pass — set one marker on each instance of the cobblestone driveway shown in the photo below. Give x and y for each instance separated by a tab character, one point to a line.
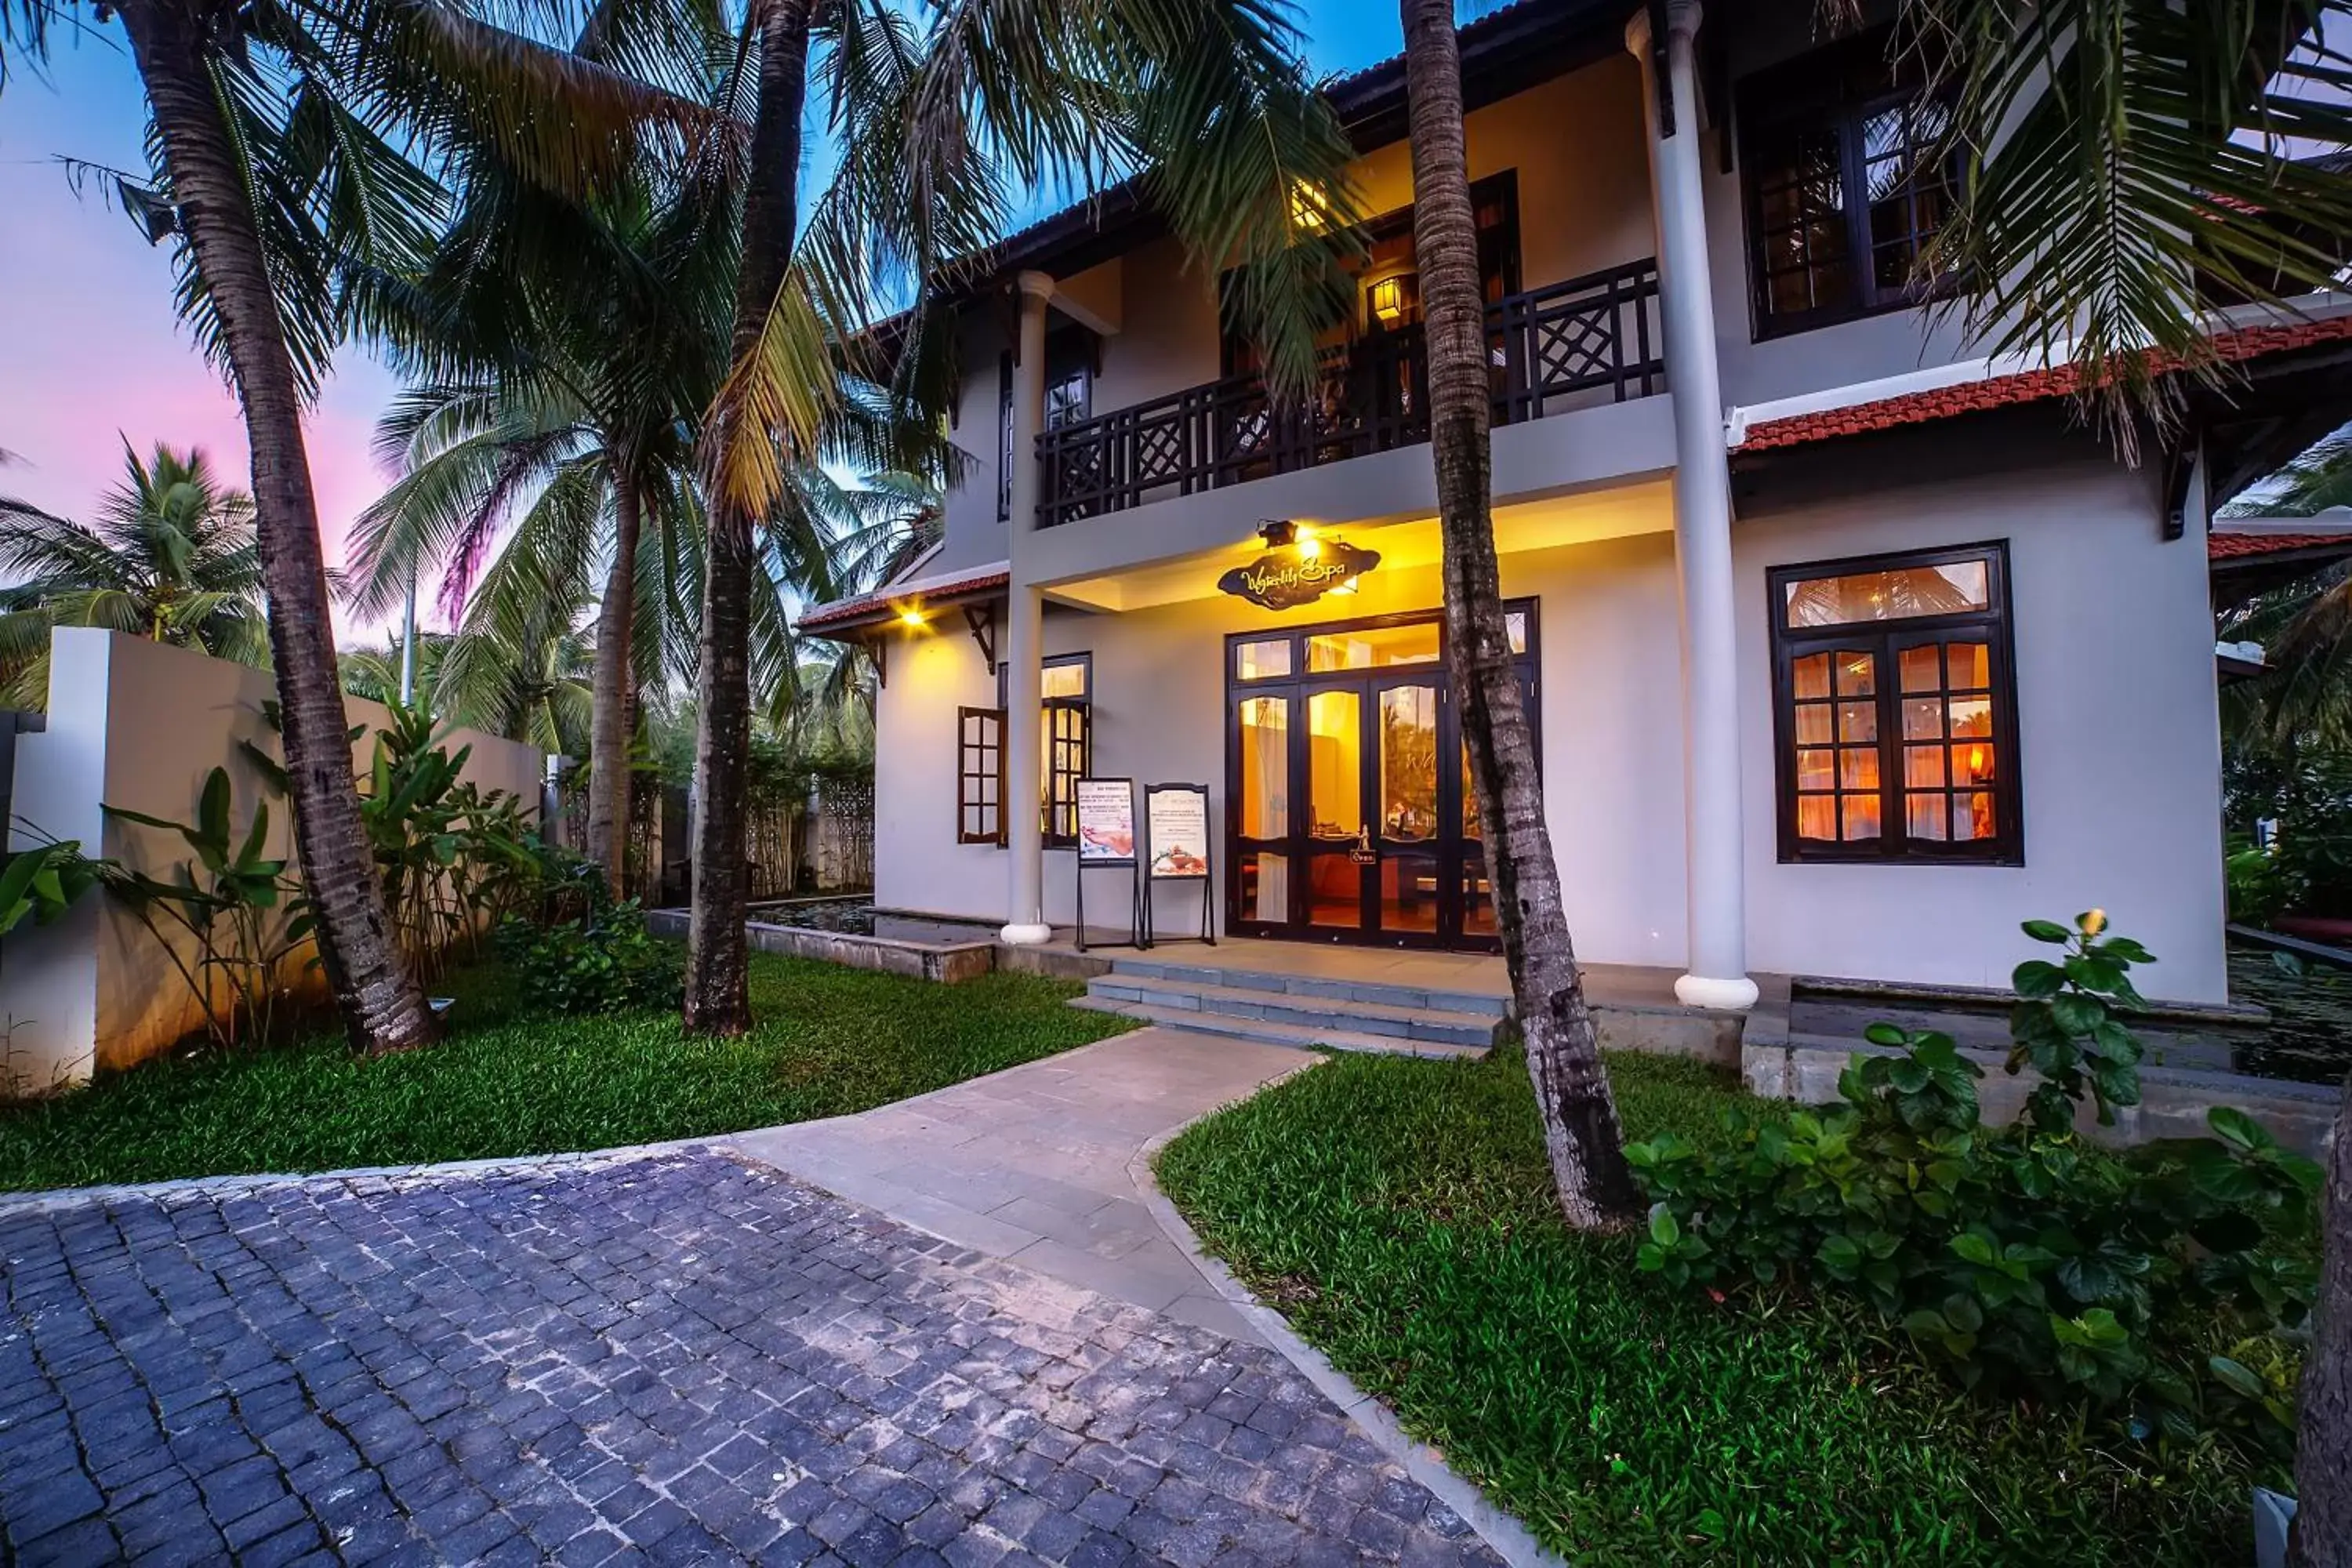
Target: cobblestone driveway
676	1359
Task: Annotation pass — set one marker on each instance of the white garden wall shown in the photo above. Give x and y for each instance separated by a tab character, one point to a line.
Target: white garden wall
139	725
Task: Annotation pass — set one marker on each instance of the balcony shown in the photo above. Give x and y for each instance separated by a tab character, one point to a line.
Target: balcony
1595	338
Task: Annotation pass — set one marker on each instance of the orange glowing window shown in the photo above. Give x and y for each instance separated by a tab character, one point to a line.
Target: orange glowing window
1894	709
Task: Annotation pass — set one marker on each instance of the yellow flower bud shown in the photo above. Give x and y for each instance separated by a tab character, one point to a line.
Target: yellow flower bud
2093	922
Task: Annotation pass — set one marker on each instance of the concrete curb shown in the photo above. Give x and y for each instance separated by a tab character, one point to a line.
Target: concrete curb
54	1198
1511	1540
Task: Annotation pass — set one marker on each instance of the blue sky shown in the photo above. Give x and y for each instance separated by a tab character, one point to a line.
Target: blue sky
91	353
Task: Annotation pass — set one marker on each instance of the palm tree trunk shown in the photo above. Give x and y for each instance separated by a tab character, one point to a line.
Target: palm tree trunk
2323	1471
608	718
1579	1117
717	973
379	1002
381	1006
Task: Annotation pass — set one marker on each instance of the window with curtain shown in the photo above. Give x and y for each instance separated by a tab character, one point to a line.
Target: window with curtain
1895	708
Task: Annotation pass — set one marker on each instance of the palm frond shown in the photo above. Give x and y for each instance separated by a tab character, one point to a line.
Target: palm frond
2127	161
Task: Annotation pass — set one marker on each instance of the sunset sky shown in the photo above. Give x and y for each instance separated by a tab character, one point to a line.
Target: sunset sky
91	353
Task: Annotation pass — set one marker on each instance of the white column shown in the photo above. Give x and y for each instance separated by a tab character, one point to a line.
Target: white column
1024	635
1713	851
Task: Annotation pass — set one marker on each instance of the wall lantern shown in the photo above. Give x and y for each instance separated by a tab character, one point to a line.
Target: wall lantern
1388	301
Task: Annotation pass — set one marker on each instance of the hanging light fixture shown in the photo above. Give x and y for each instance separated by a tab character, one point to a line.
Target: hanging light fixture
1388	300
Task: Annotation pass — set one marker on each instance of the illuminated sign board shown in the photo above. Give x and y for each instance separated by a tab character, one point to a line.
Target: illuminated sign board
1293	574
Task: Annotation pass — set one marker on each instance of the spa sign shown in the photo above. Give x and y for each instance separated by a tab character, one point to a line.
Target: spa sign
1288	577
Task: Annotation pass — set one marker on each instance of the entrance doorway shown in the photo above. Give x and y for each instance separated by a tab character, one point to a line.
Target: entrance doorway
1349	813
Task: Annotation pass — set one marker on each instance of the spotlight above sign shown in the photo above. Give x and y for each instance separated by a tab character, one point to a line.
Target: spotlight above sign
1298	567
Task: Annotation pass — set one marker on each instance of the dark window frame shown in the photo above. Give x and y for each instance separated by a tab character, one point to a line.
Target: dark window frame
1069	726
1827	89
979	735
1071	353
1994	625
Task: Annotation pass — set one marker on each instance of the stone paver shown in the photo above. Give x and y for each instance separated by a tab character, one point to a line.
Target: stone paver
673	1358
1032	1163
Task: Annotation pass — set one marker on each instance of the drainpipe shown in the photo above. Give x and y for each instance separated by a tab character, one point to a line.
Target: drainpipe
1716	890
1025	616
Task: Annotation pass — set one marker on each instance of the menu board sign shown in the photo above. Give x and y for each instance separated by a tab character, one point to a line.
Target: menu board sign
1176	824
1105	822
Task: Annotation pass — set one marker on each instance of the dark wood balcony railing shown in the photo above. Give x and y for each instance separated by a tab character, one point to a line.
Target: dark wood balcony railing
1595	338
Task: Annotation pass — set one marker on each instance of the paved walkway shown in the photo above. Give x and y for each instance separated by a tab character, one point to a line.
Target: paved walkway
1031	1165
679	1357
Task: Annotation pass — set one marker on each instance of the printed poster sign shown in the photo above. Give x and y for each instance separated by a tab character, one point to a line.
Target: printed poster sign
1106	821
1176	820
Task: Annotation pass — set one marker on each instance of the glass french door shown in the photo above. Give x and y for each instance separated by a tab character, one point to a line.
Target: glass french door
1364	758
1349	816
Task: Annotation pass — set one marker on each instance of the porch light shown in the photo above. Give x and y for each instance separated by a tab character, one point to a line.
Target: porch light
1310	209
912	615
1388	301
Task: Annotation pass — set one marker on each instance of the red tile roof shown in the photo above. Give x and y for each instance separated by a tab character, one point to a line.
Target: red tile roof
2242	546
2001	390
884	602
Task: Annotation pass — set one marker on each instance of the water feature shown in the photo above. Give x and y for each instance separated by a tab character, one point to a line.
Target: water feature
2310	1002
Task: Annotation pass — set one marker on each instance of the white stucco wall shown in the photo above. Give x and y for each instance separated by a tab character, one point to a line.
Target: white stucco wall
138	725
2117	730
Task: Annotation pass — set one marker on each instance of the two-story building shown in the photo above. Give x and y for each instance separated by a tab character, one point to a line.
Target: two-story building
1849	648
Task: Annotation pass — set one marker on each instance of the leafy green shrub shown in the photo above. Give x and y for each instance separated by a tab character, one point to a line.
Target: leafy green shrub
2306	794
45	881
604	962
2025	1260
2260	888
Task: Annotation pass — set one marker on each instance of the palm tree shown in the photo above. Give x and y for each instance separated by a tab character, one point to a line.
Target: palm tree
2304	695
516	485
852	538
569	348
1582	1135
1205	96
537	693
289	150
171	557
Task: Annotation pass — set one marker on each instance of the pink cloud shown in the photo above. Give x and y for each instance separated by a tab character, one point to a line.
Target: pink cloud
92	353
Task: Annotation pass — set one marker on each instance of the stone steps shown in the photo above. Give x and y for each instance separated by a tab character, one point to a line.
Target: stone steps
1379	993
1300	1036
1297	1010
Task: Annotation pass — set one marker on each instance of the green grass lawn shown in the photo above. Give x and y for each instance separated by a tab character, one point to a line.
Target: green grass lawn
829	1040
1400	1213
